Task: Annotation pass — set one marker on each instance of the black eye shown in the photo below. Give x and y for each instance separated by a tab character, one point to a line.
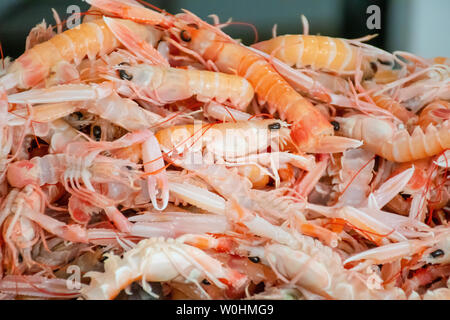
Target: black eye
97	132
274	126
206	282
193	25
437	253
405	196
124	75
185	36
33	145
336	125
374	66
386	63
79	115
254	259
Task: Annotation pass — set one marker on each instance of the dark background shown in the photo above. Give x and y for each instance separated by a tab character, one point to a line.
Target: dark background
338	18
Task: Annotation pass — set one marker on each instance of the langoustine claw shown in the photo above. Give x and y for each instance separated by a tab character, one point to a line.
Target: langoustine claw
154	168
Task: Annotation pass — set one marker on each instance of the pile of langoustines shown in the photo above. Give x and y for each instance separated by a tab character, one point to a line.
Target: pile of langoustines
152	156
